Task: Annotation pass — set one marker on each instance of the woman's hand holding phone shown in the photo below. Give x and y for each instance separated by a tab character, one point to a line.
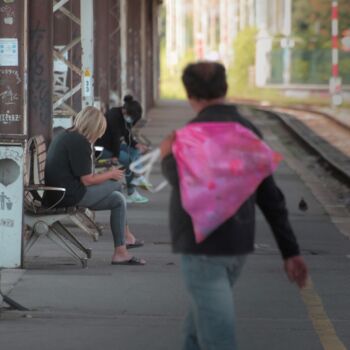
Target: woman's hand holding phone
116	173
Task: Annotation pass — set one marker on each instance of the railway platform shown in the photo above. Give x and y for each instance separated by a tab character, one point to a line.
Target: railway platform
142	307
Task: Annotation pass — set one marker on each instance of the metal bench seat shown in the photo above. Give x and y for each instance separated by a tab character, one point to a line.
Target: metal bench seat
48	221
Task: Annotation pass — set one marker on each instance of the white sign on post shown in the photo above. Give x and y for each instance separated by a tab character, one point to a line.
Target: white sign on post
8	52
11	205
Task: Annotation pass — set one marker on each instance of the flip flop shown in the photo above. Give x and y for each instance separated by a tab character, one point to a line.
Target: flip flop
136	244
131	261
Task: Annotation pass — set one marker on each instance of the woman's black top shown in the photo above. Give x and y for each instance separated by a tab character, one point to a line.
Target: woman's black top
117	131
68	158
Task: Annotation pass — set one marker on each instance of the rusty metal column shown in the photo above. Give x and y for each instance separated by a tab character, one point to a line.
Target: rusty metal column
114	48
143	34
156	49
40	73
123	13
13	65
101	13
133	59
150	60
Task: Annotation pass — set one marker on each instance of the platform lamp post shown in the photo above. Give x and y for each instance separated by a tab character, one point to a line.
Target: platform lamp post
335	83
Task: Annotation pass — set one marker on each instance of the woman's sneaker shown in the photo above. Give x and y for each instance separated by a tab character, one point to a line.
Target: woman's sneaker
141	182
136	197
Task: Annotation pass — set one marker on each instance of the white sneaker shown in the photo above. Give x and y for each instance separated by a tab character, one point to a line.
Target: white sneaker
136	197
141	182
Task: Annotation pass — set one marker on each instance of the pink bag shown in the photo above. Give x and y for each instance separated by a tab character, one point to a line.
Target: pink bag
220	164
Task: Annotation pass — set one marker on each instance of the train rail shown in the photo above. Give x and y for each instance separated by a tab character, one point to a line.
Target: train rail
326	136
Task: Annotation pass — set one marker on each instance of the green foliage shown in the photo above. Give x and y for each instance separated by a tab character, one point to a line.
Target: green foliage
170	77
299	70
244	58
312	21
309	66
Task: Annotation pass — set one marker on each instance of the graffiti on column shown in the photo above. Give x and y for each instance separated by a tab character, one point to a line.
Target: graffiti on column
8	97
8	73
40	91
9	14
9	82
8	118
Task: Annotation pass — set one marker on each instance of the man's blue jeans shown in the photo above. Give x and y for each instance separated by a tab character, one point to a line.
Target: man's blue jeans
210	323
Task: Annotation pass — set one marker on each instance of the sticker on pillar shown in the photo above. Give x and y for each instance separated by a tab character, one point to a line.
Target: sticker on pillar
87	83
8	52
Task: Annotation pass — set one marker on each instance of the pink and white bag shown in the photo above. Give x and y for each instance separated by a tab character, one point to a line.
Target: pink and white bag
220	165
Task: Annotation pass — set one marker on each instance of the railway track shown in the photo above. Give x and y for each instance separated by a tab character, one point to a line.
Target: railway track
317	148
324	135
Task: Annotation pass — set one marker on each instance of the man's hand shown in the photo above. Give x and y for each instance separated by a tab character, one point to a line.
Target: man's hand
296	270
166	145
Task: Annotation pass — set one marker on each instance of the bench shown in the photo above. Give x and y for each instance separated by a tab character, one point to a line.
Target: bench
49	221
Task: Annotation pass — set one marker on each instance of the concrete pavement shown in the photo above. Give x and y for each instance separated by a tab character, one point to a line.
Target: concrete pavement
142	307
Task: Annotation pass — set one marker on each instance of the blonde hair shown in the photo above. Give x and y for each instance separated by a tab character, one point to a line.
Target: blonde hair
90	122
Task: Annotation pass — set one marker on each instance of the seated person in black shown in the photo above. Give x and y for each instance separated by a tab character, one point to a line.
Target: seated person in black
69	165
120	145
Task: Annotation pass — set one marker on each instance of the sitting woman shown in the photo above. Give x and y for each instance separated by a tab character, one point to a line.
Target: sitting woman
120	145
69	165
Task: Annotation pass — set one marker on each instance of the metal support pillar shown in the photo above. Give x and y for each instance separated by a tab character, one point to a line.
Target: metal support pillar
114	53
151	55
87	44
123	46
101	13
13	128
40	77
155	60
143	34
134	64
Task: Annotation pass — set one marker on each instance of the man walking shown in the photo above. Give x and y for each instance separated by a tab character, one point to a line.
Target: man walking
210	268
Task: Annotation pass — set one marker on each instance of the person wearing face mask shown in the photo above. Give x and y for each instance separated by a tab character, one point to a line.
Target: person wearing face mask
69	165
121	147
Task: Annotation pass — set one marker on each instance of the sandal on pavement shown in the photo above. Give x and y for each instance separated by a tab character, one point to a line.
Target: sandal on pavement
136	244
131	261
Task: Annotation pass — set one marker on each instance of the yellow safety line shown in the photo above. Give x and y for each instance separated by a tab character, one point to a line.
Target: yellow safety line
322	324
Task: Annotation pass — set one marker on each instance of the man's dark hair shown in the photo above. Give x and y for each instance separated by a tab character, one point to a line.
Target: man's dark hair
132	108
205	80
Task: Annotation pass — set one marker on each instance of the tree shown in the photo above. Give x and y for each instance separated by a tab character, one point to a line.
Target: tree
244	58
312	21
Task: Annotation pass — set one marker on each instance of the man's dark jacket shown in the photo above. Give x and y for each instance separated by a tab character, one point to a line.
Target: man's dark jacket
117	131
236	235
